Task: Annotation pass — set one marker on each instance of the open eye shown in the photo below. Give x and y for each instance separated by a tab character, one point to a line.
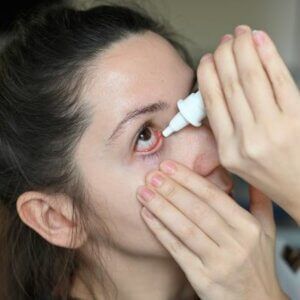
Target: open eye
147	140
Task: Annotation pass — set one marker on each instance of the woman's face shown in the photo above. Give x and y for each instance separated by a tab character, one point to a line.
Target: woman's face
138	82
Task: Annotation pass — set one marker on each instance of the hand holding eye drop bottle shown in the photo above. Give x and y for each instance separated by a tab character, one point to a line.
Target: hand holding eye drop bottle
191	111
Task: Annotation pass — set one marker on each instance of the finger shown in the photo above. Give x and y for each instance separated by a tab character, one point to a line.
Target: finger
236	100
284	86
191	235
261	207
215	104
231	212
254	80
191	206
186	259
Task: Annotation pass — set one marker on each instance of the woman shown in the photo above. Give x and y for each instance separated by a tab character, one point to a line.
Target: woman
84	95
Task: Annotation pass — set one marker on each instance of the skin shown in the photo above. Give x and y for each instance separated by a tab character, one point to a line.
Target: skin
139	70
218	263
253	105
184	209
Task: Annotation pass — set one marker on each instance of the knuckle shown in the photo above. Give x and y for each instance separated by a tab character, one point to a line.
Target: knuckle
168	189
280	79
231	86
160	206
255	229
187	179
249	75
252	150
209	192
188	232
209	92
174	246
201	212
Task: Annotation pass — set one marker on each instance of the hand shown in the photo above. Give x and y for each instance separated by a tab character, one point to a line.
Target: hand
225	252
253	107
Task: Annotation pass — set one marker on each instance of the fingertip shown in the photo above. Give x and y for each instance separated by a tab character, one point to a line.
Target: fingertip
206	58
259	37
168	166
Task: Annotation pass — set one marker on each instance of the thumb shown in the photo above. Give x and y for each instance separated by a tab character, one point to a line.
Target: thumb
262	209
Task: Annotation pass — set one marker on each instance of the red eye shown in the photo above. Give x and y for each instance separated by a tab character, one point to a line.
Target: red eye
147	140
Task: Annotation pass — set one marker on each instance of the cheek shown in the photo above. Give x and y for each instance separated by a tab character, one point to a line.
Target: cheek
117	185
116	199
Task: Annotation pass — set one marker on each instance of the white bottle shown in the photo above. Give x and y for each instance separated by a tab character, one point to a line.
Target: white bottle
191	111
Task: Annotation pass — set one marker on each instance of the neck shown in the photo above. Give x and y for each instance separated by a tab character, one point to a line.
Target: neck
137	277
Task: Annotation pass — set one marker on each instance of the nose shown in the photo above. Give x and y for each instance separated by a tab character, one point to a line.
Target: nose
196	148
205	163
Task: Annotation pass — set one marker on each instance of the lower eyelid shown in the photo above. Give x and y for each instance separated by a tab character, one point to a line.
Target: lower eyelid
153	156
158	146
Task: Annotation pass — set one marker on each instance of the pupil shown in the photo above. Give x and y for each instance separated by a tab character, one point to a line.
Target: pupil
145	134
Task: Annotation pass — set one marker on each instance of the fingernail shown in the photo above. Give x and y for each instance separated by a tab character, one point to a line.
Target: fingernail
240	30
168	167
225	38
157	180
259	37
145	193
206	57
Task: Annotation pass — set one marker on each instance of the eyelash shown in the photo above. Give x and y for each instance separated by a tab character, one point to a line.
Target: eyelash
156	154
147	156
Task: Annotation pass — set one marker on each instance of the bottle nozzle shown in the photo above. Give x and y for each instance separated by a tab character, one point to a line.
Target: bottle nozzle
191	111
177	123
168	131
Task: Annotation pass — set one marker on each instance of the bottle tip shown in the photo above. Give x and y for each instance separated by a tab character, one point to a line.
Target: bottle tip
168	131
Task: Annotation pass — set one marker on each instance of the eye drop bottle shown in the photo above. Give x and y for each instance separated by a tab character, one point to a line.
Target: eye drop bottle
191	111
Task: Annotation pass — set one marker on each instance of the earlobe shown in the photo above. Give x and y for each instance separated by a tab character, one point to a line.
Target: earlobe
51	216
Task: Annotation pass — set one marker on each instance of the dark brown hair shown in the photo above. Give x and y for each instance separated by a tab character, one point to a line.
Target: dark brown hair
42	71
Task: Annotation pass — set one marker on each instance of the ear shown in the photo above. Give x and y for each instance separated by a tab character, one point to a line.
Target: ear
51	216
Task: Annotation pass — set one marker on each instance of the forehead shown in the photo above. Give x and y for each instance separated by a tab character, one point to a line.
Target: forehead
139	69
138	65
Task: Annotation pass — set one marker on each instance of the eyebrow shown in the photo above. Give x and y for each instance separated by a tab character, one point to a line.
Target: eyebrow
151	108
147	109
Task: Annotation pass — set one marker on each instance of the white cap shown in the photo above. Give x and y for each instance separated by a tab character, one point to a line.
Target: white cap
191	111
